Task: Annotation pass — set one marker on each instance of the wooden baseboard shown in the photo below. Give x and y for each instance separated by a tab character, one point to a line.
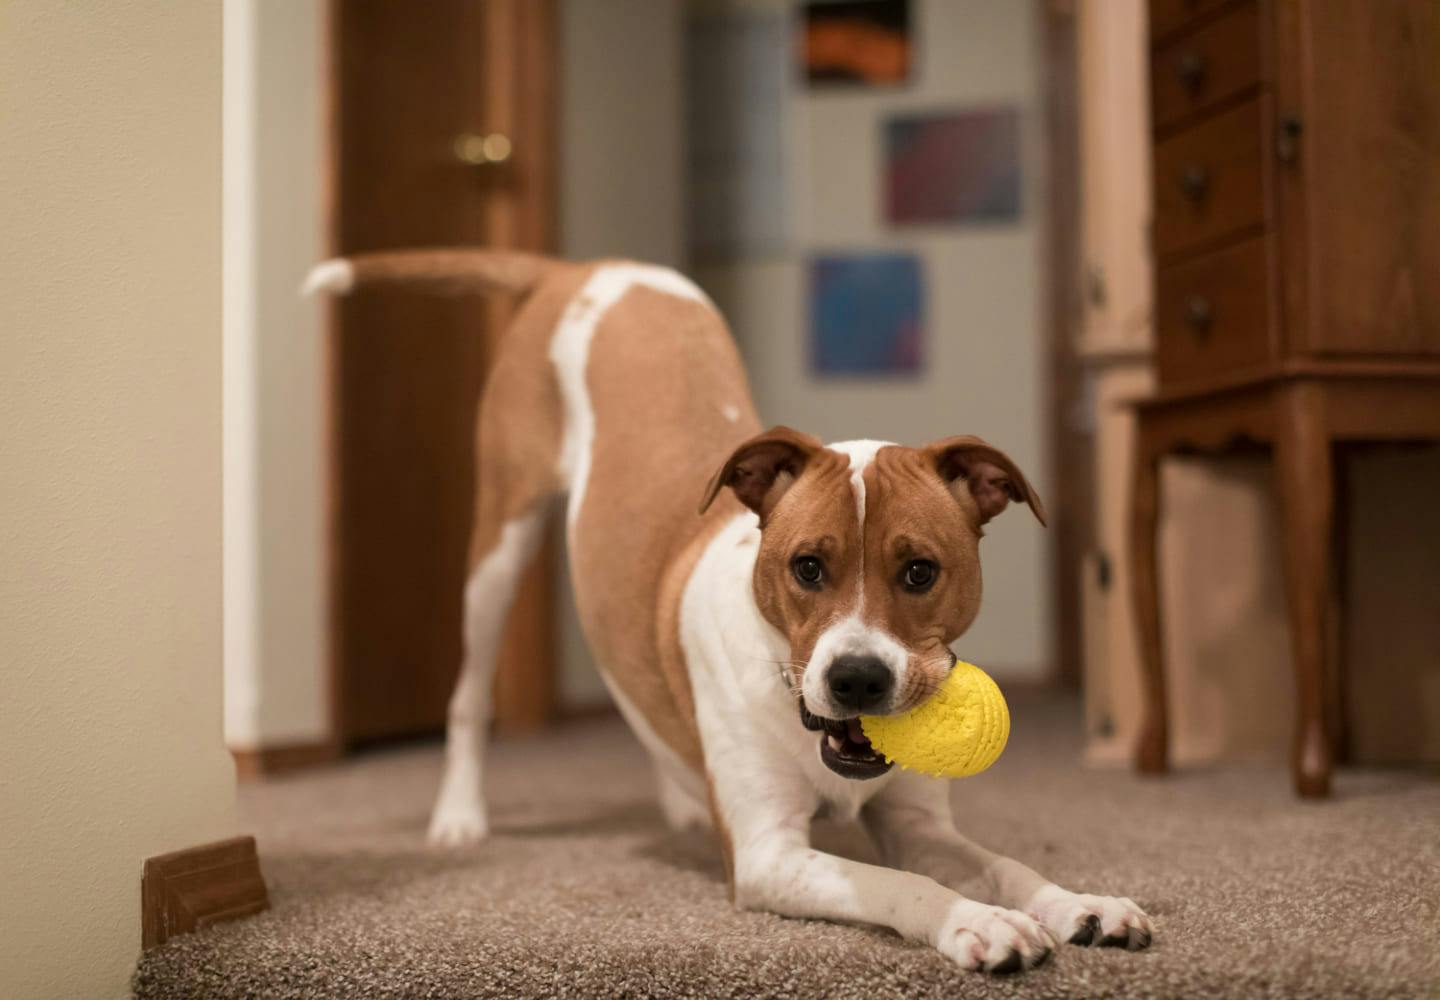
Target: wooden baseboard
186	890
266	762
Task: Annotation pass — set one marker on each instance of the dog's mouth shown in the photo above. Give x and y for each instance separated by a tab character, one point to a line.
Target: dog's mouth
844	748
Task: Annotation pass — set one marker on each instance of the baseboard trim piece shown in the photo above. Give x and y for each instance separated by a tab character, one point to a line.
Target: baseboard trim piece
266	762
188	890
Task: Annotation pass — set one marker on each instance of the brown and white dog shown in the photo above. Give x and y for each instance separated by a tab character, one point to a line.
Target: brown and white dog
817	583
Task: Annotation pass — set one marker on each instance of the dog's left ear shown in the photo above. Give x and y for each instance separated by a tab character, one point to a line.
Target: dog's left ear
986	473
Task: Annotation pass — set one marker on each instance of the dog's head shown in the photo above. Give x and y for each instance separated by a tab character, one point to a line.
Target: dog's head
869	563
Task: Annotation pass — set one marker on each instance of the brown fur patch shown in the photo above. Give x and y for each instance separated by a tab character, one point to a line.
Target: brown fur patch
520	425
815	518
663	374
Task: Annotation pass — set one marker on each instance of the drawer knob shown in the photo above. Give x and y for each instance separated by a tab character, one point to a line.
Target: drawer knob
1287	139
1199	314
1190	67
1195	182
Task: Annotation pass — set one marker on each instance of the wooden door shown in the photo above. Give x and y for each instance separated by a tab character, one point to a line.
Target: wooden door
408	84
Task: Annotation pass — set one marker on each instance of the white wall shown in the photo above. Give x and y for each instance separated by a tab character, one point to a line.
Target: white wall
275	669
984	286
110	723
621	180
621	138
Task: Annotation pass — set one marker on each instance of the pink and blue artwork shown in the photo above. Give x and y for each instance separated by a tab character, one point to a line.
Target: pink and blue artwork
866	314
954	167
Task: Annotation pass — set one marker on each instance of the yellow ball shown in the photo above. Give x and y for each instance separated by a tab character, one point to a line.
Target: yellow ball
959	731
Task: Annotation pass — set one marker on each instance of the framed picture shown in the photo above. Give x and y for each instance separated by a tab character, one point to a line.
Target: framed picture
866	314
953	168
855	42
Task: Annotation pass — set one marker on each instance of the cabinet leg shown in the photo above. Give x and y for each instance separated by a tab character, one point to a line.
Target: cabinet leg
1305	477
1152	753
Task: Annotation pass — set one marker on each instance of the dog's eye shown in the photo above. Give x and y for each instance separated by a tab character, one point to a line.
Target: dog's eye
919	575
808	571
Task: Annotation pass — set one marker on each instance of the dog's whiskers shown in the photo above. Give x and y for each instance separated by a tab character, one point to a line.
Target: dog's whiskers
921	687
785	676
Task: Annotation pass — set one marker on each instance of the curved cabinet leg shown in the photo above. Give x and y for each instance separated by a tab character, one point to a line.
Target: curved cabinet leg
1304	468
1152	752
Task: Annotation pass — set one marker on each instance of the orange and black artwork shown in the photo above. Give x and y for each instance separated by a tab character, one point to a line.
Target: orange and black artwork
856	42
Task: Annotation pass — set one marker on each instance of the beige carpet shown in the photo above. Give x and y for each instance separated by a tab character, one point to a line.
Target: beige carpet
581	890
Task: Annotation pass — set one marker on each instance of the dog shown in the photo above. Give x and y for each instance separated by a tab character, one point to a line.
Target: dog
815	584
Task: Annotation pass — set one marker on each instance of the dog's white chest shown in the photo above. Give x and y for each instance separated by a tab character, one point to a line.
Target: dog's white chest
737	665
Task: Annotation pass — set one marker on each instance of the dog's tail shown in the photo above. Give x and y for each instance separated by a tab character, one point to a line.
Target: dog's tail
454	270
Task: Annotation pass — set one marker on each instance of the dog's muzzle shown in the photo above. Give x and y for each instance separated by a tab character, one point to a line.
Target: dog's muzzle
844	748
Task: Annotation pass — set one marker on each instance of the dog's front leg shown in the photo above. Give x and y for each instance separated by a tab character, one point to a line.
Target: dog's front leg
776	869
912	824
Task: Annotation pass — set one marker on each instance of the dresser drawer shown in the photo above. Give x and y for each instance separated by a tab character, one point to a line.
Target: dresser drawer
1214	314
1199	70
1209	181
1169	16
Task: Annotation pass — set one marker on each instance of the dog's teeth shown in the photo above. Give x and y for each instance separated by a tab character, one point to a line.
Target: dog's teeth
835	743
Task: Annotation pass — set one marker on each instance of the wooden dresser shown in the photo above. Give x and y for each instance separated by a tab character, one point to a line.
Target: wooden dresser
1296	239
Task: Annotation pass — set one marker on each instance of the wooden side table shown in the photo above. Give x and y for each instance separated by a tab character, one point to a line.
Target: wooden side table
1303	412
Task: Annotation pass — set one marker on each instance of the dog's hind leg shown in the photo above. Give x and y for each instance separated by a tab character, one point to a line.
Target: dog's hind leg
459	816
517	475
516	486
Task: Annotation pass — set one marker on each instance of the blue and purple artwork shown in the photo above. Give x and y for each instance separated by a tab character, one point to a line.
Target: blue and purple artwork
956	167
866	314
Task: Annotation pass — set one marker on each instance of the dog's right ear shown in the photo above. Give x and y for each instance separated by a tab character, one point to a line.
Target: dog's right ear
762	469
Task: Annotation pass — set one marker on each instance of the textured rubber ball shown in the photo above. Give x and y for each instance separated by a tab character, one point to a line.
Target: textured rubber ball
959	731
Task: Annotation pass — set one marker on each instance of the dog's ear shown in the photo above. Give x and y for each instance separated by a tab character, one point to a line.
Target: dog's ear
763	468
986	473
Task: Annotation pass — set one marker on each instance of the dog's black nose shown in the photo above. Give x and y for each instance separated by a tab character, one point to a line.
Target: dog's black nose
859	683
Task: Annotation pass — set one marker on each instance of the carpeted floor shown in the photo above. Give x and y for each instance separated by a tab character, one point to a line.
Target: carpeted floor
581	890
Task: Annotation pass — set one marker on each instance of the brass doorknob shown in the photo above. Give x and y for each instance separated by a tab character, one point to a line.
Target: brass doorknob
482	150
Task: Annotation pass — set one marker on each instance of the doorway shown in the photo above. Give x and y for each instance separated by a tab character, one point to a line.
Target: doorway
441	132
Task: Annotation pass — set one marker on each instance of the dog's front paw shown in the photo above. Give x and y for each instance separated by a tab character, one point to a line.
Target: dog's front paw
458	820
1079	918
993	939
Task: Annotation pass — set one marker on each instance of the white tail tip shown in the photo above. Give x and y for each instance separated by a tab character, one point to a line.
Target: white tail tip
334	276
